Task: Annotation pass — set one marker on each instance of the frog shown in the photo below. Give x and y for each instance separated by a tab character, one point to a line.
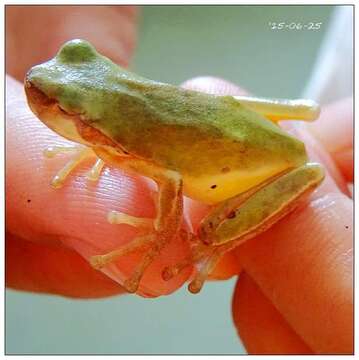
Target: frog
225	151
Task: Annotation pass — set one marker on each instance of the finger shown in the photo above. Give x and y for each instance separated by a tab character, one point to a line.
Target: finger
303	264
306	248
75	215
213	85
308	275
53	269
262	329
334	129
35	33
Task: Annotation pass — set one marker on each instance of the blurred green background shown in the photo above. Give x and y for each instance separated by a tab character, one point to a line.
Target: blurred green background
175	44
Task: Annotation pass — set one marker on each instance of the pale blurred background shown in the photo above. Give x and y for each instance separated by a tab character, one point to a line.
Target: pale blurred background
177	43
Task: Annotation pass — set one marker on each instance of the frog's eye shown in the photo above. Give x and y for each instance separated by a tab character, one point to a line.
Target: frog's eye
76	51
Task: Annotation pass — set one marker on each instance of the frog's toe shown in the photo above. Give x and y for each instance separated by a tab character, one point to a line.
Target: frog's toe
116	217
95	172
80	153
131	285
170	272
146	242
52	151
203	257
97	262
195	286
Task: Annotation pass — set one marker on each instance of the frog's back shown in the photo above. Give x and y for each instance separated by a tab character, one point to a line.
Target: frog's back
220	147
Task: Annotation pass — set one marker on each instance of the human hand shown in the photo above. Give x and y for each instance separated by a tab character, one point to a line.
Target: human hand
43	246
35	258
306	276
295	293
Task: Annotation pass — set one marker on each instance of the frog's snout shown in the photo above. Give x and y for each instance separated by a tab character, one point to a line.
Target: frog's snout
35	97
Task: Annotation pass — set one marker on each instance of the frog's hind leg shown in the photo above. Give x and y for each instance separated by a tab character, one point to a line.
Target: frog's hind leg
157	232
79	153
282	109
247	215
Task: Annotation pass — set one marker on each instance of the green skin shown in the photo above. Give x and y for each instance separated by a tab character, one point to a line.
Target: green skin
210	140
221	150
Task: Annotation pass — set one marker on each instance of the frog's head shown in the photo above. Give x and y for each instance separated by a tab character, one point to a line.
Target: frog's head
64	91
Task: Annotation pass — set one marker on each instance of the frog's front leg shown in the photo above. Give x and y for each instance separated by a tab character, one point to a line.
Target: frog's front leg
79	153
244	216
161	230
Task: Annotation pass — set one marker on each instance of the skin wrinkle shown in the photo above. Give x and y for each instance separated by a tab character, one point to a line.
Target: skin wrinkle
79	197
329	250
77	201
347	260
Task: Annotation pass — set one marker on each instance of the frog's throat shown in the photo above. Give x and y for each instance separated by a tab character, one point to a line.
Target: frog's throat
68	125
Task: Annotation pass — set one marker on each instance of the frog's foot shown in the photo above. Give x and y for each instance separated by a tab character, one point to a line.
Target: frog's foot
139	242
205	268
204	258
153	240
150	242
155	233
79	154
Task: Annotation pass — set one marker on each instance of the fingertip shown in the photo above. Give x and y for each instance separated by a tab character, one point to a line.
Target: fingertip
334	130
345	162
53	269
213	85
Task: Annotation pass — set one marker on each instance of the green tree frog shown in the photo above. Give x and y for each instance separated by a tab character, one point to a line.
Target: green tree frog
227	151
